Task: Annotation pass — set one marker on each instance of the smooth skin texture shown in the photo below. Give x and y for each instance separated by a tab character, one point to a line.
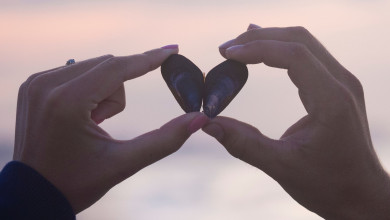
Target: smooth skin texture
57	130
326	160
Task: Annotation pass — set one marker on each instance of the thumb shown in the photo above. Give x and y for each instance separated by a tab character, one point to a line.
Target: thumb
133	155
243	141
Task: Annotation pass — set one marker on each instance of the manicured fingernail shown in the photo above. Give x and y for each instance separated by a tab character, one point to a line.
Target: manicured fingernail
232	49
253	26
197	123
226	44
214	130
171	47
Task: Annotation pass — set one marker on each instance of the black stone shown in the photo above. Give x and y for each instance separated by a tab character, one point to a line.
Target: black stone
217	90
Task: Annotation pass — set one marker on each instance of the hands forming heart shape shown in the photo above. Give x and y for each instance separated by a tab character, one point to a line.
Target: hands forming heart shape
326	161
190	87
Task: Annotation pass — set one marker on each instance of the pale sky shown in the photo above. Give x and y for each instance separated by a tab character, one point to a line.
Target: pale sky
201	181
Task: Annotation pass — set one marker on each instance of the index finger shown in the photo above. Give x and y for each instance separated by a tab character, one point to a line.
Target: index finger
104	79
299	35
321	93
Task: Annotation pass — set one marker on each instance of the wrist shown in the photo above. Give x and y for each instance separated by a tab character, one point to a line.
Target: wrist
371	202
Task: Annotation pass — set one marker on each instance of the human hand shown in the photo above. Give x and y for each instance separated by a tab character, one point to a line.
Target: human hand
57	130
325	161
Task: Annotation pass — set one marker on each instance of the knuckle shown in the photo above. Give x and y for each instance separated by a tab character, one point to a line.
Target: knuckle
30	79
344	106
355	86
112	61
108	56
299	51
122	106
22	88
36	85
302	35
300	32
347	101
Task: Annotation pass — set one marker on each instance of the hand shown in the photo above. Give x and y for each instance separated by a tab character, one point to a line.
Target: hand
57	130
326	160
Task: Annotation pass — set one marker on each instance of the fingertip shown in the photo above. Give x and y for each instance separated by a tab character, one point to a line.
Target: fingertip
186	124
224	46
197	123
227	44
253	26
222	52
155	57
214	130
231	52
171	48
163	52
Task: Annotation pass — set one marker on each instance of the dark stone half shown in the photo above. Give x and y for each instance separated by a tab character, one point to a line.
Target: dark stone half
222	84
185	80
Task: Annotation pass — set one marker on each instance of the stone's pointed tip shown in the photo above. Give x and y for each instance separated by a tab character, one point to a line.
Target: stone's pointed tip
191	87
210	111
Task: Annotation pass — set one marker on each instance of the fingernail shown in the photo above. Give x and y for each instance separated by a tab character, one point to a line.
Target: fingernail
226	44
171	47
197	123
232	49
253	26
214	130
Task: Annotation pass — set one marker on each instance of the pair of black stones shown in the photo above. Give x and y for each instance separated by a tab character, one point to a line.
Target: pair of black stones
190	87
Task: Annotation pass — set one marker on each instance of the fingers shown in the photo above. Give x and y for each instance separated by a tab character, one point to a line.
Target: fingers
244	142
321	93
67	73
289	34
109	75
21	114
302	36
131	156
41	83
109	107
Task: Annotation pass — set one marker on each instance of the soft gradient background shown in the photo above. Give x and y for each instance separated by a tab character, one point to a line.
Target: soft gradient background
200	181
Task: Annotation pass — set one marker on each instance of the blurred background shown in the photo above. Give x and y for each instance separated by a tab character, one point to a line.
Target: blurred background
201	180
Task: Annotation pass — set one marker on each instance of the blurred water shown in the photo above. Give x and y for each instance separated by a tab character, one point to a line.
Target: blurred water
201	181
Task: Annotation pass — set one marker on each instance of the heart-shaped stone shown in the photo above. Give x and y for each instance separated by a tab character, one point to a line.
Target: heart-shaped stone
189	86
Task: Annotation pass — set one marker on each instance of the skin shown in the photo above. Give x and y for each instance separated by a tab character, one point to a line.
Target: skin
326	160
57	130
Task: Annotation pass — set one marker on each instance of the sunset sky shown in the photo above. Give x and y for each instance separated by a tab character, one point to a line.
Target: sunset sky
201	181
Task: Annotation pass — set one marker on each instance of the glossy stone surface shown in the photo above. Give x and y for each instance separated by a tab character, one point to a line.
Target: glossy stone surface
190	88
185	80
222	84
